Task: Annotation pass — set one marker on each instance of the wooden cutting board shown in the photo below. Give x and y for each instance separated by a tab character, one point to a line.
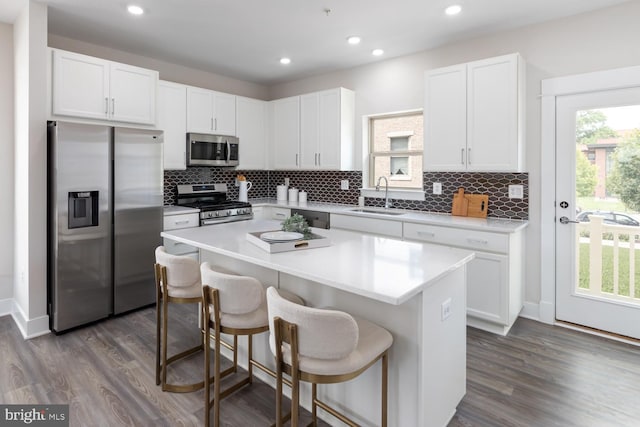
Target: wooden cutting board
460	205
478	205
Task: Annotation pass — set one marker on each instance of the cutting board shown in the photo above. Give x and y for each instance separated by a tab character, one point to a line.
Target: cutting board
473	205
478	205
460	205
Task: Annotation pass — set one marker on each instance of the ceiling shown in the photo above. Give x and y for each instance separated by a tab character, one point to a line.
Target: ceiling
245	39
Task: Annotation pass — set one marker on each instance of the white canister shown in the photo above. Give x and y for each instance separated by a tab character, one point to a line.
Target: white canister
302	197
282	192
293	194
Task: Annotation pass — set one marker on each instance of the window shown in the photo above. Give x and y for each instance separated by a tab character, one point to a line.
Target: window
395	150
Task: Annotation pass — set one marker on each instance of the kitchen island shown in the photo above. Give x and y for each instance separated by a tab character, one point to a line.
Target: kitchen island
415	290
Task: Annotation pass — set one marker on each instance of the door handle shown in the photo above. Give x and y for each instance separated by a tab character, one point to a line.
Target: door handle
318	159
565	220
462	156
106	105
469	155
113	107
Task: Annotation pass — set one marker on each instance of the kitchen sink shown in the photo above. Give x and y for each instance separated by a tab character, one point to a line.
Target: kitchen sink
378	212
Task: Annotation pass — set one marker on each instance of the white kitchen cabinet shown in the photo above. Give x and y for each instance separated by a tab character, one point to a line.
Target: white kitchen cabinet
253	132
279	213
88	87
285	131
385	227
176	221
474	116
172	119
495	278
323	137
211	112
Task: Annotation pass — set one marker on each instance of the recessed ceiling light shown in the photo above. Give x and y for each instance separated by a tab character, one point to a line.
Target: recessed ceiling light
135	10
285	61
377	52
353	39
453	10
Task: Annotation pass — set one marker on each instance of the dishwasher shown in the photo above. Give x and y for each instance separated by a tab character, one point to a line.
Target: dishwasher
314	218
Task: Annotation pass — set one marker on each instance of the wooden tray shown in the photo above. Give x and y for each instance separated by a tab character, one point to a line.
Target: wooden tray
316	241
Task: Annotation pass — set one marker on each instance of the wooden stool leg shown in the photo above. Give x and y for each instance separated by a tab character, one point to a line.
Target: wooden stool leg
250	357
216	383
207	382
314	411
385	368
158	337
165	315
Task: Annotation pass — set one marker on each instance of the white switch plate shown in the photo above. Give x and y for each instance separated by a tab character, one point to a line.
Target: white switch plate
437	188
516	191
344	184
446	309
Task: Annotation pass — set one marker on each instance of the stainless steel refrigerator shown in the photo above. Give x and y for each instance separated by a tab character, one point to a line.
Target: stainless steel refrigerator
105	202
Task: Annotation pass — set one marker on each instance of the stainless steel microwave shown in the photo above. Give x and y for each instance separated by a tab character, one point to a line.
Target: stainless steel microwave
211	150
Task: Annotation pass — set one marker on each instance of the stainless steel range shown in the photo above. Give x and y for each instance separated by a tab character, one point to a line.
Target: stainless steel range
212	201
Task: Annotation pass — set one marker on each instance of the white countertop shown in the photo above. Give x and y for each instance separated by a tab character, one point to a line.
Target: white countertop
179	210
381	268
499	225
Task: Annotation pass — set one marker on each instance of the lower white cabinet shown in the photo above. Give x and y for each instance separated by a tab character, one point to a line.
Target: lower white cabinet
384	227
175	221
279	213
495	278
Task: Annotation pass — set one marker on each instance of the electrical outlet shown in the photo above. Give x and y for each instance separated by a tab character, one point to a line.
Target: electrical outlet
446	309
344	184
516	191
286	182
437	188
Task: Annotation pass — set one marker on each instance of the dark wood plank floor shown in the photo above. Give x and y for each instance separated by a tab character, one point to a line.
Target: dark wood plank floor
539	375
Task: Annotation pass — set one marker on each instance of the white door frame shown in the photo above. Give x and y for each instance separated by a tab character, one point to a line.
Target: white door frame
620	78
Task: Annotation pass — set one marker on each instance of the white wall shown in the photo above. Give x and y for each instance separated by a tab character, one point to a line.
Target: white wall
593	41
30	236
6	163
168	71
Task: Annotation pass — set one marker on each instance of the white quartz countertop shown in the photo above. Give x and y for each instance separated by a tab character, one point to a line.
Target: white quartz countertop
381	268
179	210
499	225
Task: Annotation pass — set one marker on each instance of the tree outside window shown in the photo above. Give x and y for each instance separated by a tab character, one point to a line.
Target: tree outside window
396	143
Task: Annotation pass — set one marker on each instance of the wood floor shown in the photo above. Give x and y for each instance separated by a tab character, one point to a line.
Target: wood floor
539	375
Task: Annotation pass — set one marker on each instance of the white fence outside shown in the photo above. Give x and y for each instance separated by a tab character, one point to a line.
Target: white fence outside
596	228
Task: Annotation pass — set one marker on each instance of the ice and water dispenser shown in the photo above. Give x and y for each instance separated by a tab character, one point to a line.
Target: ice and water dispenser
83	209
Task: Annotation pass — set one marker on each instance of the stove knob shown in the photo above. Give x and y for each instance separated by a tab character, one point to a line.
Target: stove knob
217	213
229	212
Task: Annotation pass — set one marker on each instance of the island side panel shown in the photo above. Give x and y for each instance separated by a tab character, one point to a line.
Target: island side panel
444	344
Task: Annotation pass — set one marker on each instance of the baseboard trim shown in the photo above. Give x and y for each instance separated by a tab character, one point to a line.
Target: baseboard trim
530	310
30	328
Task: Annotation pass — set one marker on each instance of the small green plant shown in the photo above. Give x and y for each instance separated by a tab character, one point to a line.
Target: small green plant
298	224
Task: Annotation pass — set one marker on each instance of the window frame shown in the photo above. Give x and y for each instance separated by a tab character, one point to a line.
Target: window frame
368	186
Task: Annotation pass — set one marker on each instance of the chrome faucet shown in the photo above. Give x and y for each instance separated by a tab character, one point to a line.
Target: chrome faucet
387	203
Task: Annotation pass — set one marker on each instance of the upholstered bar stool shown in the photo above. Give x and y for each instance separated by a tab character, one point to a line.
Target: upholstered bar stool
234	305
322	346
178	282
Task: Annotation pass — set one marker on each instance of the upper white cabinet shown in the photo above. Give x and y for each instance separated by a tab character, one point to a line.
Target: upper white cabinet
172	119
314	131
473	116
285	130
84	86
211	112
252	131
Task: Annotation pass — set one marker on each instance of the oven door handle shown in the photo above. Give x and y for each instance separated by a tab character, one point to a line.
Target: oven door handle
228	151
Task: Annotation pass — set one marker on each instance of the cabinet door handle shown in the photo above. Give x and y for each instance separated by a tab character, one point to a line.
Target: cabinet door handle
113	107
106	105
181	222
296	160
215	124
279	215
315	159
469	155
211	123
462	156
479	241
426	233
318	159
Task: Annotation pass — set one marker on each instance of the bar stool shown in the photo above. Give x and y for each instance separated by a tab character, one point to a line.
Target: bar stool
177	281
234	305
322	347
